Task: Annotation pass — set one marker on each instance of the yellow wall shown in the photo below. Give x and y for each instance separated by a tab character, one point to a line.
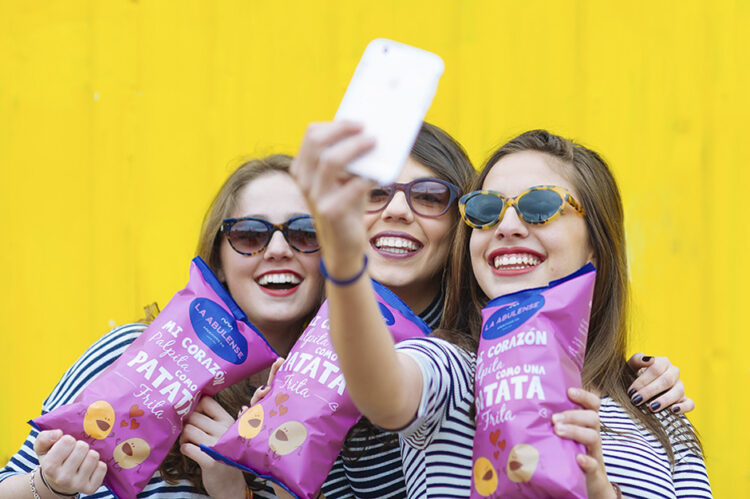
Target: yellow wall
119	119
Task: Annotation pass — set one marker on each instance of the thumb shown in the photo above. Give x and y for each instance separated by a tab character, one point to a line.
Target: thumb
45	440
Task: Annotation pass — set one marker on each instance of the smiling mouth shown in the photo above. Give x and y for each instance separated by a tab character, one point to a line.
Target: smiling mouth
516	261
286	280
396	245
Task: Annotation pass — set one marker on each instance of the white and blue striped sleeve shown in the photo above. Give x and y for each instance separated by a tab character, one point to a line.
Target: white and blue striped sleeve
447	389
93	362
689	473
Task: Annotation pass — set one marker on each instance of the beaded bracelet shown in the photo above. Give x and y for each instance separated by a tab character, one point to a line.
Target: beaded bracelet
343	282
31	483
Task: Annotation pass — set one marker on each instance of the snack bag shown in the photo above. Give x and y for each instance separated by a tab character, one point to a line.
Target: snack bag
530	351
294	434
133	412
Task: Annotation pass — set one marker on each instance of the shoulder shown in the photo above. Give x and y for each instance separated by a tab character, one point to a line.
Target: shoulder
100	355
111	345
447	390
434	349
633	458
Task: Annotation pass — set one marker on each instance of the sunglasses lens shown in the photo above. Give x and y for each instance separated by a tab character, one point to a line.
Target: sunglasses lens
429	198
483	209
302	235
540	205
249	236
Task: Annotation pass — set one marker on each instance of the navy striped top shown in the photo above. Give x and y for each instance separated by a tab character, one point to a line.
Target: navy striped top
437	446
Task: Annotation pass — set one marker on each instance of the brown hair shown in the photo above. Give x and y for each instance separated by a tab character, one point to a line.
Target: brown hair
605	368
176	466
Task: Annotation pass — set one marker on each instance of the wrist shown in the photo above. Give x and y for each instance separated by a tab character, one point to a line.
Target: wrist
33	482
54	492
344	275
617	490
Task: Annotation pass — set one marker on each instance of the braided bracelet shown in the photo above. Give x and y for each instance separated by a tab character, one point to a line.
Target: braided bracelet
58	494
343	282
618	491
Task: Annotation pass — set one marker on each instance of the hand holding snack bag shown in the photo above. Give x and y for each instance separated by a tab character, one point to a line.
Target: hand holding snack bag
293	435
133	412
531	351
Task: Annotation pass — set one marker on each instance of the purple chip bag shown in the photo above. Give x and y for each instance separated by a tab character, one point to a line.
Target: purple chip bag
294	434
133	412
530	352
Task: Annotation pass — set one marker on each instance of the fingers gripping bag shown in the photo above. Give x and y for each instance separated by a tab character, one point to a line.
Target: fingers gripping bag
294	434
133	412
531	350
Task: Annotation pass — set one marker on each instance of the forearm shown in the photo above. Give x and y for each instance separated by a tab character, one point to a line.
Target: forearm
19	487
384	384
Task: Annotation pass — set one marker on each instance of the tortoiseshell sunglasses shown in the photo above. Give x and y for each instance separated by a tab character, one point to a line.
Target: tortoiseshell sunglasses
536	205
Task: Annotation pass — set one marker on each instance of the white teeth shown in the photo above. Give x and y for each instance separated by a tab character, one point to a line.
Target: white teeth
397	245
516	261
285	278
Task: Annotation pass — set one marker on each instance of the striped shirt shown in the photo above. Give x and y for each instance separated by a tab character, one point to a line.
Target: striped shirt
92	363
375	470
437	445
636	461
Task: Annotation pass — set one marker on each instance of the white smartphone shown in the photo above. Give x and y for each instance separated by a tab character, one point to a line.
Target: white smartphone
390	93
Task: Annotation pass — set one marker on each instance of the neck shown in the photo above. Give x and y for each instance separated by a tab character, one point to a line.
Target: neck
417	296
281	337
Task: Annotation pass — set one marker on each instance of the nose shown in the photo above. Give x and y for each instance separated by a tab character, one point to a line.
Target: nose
511	225
398	209
278	248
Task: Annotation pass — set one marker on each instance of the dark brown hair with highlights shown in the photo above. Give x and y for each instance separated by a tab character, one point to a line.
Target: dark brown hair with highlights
605	367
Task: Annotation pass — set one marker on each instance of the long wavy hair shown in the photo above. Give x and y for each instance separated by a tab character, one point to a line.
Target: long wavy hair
605	367
176	466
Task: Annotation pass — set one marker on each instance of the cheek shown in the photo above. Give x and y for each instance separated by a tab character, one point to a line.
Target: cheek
370	219
476	247
573	247
440	232
311	264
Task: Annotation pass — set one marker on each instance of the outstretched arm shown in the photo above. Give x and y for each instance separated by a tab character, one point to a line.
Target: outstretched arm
385	385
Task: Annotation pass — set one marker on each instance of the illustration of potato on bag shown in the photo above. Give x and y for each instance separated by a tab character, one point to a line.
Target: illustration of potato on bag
99	419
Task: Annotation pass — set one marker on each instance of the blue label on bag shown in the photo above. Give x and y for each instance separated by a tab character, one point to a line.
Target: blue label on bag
509	318
217	329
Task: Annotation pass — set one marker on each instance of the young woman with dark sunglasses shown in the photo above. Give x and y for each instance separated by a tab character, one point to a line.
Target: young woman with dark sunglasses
257	236
388	386
541	208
